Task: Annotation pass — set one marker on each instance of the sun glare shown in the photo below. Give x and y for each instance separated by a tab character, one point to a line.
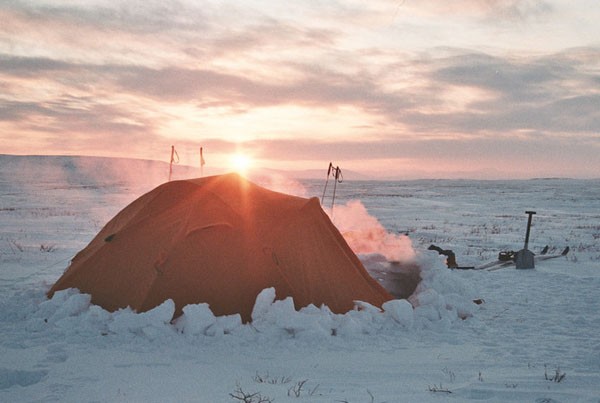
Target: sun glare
240	163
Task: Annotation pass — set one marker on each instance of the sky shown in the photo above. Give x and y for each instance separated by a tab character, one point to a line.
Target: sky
402	89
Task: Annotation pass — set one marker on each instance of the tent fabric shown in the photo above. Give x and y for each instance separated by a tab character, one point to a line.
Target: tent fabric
220	240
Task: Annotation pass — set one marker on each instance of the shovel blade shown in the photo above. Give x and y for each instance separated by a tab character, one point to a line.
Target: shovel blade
524	259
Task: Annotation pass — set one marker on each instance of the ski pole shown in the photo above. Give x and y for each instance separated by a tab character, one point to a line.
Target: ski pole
326	181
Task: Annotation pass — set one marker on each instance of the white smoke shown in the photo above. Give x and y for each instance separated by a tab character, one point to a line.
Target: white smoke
365	234
280	183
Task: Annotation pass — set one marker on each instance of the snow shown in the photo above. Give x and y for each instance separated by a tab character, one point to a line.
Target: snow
534	327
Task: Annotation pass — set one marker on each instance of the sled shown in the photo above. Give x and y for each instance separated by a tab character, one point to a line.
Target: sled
536	258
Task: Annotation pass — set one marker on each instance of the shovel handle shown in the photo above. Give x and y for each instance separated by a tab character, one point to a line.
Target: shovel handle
530	214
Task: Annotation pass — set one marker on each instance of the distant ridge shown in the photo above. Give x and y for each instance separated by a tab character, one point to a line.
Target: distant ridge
96	170
84	170
557	178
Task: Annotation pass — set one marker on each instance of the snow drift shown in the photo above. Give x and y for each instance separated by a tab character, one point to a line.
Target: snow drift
440	300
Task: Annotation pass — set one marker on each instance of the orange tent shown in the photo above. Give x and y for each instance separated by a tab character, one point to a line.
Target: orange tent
220	240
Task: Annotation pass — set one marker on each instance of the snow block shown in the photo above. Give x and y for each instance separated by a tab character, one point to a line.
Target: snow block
401	311
196	319
264	300
229	323
149	324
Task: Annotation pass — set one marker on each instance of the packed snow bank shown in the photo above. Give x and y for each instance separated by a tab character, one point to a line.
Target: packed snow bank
441	296
440	300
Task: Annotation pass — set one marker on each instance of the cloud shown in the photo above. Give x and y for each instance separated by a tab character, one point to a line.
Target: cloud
141	17
30	66
546	94
489	10
520	80
552	93
520	10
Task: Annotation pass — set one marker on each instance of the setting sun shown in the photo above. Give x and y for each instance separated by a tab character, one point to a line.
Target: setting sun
240	163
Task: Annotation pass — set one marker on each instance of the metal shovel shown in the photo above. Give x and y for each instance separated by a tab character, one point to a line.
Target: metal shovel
525	258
